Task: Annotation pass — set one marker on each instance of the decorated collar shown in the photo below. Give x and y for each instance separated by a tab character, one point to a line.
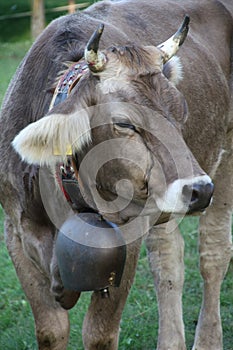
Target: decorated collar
68	81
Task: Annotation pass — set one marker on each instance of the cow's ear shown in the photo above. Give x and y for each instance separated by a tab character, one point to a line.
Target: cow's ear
173	70
48	140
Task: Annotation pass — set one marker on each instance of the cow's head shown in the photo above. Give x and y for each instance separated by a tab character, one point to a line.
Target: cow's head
123	121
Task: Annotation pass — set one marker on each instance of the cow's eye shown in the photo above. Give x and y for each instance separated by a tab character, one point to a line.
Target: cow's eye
125	126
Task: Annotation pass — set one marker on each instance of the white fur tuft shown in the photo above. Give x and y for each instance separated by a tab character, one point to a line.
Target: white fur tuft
41	141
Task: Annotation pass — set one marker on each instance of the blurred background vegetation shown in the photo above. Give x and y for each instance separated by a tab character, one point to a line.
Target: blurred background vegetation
15	18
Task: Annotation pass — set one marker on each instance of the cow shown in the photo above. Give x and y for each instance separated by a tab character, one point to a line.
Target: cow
158	129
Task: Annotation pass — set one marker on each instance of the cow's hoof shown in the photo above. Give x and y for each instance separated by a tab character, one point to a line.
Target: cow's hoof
68	299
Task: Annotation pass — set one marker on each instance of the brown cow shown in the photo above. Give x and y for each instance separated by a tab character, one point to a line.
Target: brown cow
125	121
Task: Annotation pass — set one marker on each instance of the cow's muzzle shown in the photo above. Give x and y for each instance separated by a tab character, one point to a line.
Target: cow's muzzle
199	196
187	196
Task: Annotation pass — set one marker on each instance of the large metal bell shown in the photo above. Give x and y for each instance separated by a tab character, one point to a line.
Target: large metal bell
91	253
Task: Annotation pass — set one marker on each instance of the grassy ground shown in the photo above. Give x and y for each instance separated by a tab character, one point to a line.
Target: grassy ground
139	322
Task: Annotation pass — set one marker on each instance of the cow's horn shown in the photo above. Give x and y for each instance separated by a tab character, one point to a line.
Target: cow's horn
171	46
95	58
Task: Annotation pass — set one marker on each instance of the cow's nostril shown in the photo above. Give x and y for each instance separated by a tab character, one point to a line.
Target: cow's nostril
198	195
195	196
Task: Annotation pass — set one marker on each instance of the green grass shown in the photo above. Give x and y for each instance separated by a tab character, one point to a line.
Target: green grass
140	319
10	56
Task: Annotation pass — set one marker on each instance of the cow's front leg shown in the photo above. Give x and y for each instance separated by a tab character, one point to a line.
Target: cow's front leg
102	321
215	254
165	249
51	320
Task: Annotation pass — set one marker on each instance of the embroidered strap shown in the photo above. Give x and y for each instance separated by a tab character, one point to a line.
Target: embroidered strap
68	81
70	184
67	174
65	85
